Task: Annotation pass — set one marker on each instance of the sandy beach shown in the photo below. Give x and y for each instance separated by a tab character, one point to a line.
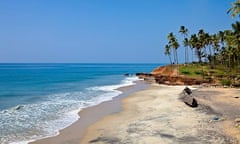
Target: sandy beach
156	115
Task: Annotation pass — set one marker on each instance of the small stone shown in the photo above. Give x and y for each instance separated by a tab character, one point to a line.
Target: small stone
216	118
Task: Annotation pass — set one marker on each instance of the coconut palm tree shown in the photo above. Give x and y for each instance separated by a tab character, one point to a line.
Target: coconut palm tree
196	44
184	32
231	49
191	44
173	43
175	46
221	36
168	53
235	9
215	42
236	41
201	44
236	32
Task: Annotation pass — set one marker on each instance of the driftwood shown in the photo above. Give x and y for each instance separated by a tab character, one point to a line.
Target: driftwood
187	98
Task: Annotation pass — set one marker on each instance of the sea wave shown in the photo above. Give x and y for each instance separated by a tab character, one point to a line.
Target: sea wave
125	82
25	123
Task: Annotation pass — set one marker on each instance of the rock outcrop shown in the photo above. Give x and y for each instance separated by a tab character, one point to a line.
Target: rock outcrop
169	76
170	80
187	97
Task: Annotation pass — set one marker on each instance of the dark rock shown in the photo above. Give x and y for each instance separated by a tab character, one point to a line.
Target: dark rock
18	107
188	90
188	100
146	76
216	118
127	74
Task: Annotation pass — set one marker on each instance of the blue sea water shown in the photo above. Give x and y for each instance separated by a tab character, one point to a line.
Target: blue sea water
37	100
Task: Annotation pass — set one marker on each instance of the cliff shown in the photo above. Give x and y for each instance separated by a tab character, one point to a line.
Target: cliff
169	75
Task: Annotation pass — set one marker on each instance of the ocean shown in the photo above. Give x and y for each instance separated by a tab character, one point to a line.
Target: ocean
38	100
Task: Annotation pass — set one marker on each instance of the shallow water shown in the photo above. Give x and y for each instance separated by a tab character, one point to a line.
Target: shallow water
37	100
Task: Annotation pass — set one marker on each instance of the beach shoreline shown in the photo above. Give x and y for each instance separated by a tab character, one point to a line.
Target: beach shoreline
154	114
73	133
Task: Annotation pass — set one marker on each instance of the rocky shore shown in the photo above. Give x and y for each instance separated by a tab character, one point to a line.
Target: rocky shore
170	80
170	76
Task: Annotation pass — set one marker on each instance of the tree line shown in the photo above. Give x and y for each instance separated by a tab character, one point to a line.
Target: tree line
222	47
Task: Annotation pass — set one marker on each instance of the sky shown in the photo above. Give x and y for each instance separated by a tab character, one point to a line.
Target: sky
102	31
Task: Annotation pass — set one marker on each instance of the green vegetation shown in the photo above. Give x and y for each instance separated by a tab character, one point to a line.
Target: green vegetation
218	53
226	82
200	71
192	71
216	75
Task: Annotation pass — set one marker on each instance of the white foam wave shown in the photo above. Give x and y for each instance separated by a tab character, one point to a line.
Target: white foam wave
110	91
25	123
128	81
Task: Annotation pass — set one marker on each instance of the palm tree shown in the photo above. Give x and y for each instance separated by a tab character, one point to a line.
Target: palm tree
173	43
236	32
207	44
221	36
230	50
184	32
215	42
175	46
168	53
201	44
191	44
235	9
236	41
195	44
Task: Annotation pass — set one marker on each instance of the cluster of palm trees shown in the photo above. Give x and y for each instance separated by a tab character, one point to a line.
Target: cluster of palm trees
222	47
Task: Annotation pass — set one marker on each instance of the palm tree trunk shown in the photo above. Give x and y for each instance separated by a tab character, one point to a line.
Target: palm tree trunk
176	57
170	59
192	54
199	55
205	54
212	59
186	55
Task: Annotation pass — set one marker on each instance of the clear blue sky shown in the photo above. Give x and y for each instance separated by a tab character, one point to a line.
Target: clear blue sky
112	31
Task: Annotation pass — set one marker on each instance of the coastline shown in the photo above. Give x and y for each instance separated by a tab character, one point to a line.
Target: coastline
154	114
73	133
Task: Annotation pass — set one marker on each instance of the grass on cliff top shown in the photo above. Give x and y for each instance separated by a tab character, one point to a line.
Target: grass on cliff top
218	74
201	71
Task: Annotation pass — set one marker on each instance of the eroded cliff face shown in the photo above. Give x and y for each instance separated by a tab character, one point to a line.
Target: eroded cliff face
170	76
